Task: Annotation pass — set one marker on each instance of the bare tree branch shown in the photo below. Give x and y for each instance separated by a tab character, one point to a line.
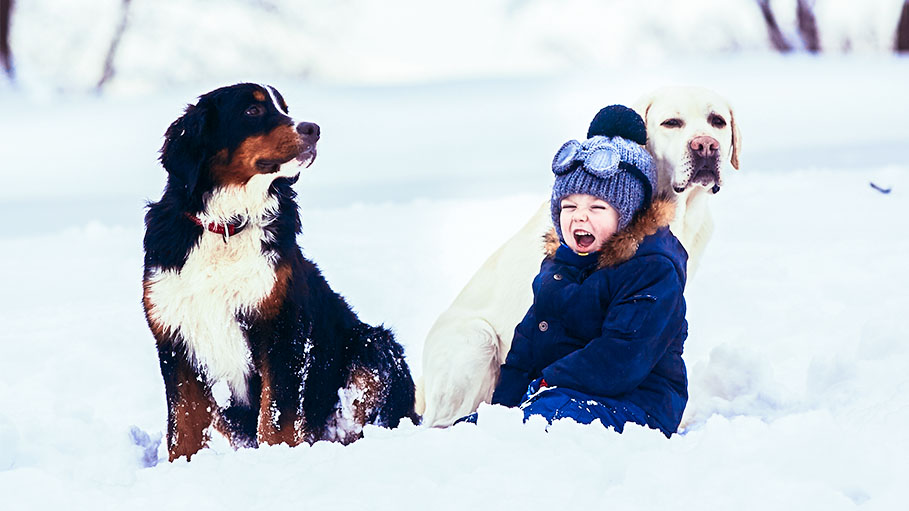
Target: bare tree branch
804	13
902	30
108	72
6	55
776	36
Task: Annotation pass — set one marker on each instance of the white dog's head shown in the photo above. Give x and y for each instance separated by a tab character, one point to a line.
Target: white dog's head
691	133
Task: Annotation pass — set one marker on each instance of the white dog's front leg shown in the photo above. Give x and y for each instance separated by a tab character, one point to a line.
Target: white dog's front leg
463	372
470	340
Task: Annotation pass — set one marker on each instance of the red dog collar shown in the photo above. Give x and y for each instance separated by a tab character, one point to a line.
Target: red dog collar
226	229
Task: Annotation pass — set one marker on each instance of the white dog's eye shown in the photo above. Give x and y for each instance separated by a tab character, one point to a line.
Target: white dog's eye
672	123
716	121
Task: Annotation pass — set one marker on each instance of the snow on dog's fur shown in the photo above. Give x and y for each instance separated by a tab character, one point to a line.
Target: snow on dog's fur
692	134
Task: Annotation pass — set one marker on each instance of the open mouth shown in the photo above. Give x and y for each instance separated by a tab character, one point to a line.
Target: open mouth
706	174
306	157
269	166
708	177
583	239
272	165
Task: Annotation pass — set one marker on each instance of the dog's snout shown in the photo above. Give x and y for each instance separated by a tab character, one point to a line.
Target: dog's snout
704	146
309	129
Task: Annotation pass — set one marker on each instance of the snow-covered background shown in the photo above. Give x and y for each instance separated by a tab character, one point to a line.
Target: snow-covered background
799	347
61	45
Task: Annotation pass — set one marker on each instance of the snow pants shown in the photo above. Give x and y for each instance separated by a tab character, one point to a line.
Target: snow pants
557	403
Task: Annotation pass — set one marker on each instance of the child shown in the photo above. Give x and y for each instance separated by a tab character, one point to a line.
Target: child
603	338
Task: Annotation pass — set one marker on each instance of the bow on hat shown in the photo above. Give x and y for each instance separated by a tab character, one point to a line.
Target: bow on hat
598	156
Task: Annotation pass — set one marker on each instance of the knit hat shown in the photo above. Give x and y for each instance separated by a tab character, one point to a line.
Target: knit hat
611	164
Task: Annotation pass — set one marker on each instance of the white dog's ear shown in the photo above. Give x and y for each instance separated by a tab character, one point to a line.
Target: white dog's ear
736	140
642	106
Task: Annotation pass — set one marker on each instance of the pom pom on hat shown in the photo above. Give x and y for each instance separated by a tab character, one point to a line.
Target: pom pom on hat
618	121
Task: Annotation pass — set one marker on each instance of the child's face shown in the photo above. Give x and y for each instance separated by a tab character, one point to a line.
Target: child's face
587	222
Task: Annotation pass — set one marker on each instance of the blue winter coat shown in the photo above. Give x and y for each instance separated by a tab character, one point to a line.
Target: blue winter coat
609	325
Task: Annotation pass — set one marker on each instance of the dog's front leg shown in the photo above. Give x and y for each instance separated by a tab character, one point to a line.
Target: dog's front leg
280	413
238	422
189	403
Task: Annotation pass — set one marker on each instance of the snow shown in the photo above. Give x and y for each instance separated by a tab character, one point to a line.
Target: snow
798	348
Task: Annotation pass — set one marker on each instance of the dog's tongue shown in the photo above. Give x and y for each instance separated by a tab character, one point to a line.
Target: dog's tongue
584	241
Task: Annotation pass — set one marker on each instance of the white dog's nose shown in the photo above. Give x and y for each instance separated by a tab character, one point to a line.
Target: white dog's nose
704	146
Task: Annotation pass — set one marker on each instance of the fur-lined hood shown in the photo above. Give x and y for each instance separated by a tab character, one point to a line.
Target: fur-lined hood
624	244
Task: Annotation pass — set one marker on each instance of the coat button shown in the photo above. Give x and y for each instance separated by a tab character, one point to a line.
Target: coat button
557	276
544	326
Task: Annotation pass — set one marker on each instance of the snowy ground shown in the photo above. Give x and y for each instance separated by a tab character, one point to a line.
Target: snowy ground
798	348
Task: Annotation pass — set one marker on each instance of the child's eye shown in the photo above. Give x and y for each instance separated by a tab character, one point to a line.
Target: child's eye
568	206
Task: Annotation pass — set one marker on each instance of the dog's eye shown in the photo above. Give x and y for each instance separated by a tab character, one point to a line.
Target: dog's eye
255	110
717	122
672	123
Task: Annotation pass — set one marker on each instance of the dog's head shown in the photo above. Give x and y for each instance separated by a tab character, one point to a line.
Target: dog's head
232	134
692	134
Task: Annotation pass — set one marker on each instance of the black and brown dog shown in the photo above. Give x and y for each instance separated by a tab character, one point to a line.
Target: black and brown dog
251	339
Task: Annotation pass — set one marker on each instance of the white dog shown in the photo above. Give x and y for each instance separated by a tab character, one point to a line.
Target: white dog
692	134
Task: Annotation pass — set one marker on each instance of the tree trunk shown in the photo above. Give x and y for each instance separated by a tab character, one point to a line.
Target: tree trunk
776	37
108	71
902	30
6	56
808	25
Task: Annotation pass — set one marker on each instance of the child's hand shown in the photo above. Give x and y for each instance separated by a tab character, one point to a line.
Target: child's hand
534	387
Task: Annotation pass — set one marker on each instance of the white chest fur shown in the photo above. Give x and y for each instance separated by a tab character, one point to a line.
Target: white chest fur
219	282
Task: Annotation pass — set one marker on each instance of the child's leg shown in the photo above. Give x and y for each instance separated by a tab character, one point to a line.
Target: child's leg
559	403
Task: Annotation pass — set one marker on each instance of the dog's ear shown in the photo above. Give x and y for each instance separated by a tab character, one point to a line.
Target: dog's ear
183	153
736	140
642	107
